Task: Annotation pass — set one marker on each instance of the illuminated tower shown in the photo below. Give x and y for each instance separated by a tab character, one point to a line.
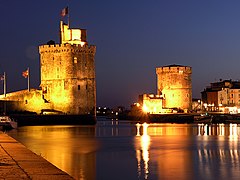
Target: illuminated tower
68	73
174	83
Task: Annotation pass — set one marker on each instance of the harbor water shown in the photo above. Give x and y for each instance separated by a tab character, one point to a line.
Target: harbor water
114	149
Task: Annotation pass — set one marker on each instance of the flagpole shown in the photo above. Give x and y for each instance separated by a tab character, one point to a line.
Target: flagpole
4	84
28	79
68	17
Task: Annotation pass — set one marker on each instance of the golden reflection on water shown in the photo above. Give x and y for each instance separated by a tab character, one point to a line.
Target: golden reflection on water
60	146
150	151
143	153
166	147
231	130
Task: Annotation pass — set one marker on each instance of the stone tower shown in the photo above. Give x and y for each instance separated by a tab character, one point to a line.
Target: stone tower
68	73
174	83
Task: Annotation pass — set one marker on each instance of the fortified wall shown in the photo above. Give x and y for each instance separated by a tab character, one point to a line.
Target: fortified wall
174	83
24	100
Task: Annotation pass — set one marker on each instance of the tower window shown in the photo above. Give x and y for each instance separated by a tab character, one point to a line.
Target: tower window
44	90
75	60
78	87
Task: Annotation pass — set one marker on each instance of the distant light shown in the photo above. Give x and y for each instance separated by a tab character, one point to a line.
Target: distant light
145	108
137	104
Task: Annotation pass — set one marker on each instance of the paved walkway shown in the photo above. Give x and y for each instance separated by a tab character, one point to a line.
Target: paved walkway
18	162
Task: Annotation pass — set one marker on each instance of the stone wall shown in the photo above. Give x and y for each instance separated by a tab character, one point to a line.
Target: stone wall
24	100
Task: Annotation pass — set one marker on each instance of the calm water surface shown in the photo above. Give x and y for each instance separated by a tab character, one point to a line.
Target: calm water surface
124	150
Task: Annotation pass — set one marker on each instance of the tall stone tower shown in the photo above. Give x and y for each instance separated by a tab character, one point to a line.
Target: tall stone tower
68	73
174	83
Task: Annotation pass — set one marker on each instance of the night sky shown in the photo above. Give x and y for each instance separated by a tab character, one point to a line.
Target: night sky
133	37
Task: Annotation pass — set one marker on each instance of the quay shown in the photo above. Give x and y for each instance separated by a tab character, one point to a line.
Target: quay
18	162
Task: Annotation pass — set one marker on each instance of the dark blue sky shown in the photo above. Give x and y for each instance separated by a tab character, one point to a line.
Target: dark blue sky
133	37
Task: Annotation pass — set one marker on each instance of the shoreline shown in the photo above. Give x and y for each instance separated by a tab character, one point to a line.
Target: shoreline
18	162
181	118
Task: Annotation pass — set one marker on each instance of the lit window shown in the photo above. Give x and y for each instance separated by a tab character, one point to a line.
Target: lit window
44	90
75	60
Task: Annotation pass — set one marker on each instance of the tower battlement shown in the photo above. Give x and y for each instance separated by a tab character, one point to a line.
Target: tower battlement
67	48
174	69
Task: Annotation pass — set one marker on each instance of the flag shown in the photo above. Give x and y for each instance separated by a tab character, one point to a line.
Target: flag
25	73
64	12
2	78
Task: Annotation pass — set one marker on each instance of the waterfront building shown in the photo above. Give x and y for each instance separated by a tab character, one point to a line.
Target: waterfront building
174	91
174	83
222	96
68	84
68	73
151	103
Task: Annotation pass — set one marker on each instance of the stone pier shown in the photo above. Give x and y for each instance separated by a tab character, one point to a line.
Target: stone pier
18	162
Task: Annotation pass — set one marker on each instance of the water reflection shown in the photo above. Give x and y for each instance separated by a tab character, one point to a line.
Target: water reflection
231	130
142	151
69	148
168	151
124	150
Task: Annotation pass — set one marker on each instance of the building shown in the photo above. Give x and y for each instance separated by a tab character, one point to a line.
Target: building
68	84
151	103
221	96
174	83
68	73
174	91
